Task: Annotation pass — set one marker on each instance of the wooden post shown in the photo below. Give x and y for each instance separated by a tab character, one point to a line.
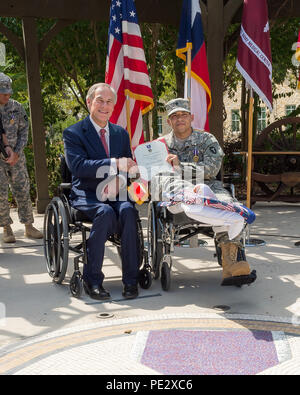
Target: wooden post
31	45
215	54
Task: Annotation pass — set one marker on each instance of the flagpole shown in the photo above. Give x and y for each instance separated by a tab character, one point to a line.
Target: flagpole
247	241
189	74
128	117
250	149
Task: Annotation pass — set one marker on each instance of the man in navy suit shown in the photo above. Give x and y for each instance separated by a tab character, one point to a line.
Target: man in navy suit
95	149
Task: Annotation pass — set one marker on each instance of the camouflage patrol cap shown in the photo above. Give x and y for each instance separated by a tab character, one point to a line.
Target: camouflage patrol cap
177	105
5	84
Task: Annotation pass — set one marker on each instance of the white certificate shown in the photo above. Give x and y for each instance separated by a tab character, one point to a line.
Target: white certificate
151	159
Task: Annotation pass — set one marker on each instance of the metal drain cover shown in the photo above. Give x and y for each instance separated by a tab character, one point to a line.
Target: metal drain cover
105	315
222	307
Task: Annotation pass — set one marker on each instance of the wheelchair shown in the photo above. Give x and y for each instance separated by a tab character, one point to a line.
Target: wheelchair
61	223
166	230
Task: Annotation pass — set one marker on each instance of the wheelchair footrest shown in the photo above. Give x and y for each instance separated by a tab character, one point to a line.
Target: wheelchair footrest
238	281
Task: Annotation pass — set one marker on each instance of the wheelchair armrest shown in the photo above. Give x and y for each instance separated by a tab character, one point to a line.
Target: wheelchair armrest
230	188
65	186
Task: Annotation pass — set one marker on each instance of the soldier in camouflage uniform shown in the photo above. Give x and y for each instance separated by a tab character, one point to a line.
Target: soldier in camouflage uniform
194	153
13	171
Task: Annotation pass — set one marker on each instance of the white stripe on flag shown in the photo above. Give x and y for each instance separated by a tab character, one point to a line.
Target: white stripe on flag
118	74
261	56
122	120
199	103
136	77
253	85
139	131
131	28
134	53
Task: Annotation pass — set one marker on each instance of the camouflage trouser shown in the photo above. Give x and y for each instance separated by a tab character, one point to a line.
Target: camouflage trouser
224	195
15	177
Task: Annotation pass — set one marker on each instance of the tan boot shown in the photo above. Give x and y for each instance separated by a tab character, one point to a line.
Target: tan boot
32	233
8	235
232	268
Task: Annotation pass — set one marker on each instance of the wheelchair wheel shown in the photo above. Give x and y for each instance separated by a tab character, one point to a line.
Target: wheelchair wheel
56	240
145	278
165	276
141	241
218	253
76	285
155	248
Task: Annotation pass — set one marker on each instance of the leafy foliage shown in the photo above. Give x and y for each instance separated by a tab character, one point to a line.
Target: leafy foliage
75	59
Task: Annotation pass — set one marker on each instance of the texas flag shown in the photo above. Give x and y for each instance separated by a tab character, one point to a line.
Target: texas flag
191	36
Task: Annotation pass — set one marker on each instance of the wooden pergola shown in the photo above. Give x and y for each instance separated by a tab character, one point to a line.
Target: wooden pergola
217	16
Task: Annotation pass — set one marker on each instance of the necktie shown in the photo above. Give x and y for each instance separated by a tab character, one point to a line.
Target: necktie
103	140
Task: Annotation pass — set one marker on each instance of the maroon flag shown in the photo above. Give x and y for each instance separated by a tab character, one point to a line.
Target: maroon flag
254	60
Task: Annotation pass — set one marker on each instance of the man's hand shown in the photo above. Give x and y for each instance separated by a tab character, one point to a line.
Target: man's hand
125	164
13	157
173	160
134	172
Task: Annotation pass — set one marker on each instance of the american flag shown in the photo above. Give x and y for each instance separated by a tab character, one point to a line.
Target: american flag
191	198
126	69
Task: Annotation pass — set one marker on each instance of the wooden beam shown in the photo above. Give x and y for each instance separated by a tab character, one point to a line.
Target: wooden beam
230	10
151	11
54	31
13	39
32	62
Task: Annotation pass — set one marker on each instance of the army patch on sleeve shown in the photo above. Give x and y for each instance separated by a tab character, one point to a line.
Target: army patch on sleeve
213	150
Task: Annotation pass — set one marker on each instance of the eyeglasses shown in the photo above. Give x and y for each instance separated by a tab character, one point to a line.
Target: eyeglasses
100	100
175	117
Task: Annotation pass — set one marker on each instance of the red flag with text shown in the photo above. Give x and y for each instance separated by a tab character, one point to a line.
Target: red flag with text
254	60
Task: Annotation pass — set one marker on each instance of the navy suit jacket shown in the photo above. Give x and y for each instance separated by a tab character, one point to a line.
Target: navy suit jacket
85	156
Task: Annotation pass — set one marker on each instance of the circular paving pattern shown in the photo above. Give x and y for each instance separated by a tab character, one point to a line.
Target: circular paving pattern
185	344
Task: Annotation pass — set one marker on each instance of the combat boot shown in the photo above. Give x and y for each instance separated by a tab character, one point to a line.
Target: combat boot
8	235
235	272
32	233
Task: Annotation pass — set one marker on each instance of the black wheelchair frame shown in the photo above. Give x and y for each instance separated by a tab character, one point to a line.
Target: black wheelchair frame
61	222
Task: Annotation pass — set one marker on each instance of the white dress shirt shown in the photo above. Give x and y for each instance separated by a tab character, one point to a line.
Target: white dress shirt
98	128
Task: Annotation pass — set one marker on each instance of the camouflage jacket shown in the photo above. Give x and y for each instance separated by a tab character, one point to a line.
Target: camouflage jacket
200	152
200	160
15	124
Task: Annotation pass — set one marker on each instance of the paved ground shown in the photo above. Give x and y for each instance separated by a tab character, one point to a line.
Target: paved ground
43	330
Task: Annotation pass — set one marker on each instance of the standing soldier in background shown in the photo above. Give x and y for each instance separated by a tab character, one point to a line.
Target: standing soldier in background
13	171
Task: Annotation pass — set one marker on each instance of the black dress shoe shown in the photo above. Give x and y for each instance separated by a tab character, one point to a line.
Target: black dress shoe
130	291
96	291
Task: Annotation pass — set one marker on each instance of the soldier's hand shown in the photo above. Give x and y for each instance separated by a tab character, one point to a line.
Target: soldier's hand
173	160
13	157
8	150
